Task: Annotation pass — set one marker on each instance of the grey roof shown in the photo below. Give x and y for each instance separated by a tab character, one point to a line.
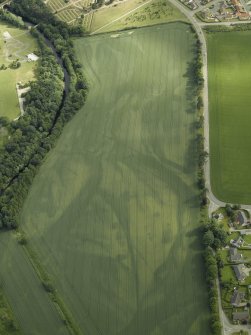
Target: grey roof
241	316
234	255
238	269
241	217
238	242
237	298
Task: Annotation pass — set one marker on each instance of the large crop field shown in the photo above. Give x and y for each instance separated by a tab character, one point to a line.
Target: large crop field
113	212
17	46
230	117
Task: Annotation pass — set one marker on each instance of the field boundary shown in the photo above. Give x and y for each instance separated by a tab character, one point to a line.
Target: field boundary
136	28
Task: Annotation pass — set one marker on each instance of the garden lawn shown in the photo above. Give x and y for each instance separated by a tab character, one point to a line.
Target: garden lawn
246	254
224	255
247	239
21	44
230	117
227	274
114	210
233	236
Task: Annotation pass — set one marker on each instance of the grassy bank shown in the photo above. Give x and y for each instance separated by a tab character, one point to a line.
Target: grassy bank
134	13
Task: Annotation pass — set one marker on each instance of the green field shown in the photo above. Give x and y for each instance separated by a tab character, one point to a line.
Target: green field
32	307
113	212
134	13
229	102
18	46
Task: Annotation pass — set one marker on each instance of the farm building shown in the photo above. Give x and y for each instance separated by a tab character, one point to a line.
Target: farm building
237	298
239	272
235	256
32	57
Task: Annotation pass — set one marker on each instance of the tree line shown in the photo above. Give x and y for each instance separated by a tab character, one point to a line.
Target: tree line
213	236
48	107
233	27
12	19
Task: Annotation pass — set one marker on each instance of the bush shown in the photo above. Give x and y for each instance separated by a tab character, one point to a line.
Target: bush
48	286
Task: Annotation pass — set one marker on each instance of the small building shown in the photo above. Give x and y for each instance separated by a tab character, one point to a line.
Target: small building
241	316
239	271
237	298
237	243
241	218
6	35
234	255
32	57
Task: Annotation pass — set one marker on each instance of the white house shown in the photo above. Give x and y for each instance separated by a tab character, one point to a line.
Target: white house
32	57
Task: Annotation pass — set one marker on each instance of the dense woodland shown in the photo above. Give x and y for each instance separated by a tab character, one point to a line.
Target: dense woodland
50	103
